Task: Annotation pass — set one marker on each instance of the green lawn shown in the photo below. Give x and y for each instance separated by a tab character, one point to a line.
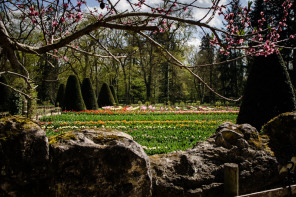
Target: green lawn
158	132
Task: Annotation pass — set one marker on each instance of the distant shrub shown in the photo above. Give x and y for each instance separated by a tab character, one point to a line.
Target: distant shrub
147	103
88	95
73	100
182	104
60	96
105	97
218	103
114	94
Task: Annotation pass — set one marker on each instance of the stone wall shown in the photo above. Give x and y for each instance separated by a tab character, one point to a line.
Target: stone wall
109	163
86	163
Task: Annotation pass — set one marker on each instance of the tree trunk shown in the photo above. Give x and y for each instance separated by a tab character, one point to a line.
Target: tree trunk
125	85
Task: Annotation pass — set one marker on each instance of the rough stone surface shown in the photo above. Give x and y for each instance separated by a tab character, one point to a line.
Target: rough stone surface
282	132
24	156
199	171
99	163
85	163
110	163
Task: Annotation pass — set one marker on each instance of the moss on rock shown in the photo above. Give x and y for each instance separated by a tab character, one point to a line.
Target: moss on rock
62	138
17	123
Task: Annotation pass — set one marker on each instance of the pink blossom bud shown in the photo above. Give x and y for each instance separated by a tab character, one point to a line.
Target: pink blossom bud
79	3
54	23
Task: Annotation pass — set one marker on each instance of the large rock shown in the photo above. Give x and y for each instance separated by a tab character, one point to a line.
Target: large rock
85	163
98	163
282	133
199	171
110	163
24	156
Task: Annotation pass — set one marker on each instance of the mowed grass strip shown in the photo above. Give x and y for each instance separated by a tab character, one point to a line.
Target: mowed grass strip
156	132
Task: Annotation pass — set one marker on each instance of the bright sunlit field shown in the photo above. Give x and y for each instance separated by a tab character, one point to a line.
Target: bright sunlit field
157	131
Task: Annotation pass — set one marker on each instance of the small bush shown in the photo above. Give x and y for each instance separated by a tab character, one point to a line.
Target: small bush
105	97
218	103
147	103
73	100
88	95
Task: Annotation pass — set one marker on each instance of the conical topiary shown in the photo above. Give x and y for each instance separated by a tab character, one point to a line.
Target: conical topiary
114	94
5	94
73	100
105	96
60	96
88	95
268	92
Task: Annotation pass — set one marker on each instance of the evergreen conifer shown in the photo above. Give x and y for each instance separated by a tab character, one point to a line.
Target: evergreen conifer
105	96
60	96
88	95
73	100
268	92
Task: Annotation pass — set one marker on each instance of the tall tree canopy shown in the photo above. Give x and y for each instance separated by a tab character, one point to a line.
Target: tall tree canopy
59	26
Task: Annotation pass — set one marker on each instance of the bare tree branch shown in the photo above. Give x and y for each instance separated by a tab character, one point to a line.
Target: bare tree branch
16	90
63	42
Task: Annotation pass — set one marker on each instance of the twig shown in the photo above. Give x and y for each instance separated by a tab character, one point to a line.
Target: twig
105	48
16	90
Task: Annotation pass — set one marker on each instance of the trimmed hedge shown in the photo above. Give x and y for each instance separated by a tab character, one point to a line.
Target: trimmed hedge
114	94
268	92
105	97
88	95
60	96
73	100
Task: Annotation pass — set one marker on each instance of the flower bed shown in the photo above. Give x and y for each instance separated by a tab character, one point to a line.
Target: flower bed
156	131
